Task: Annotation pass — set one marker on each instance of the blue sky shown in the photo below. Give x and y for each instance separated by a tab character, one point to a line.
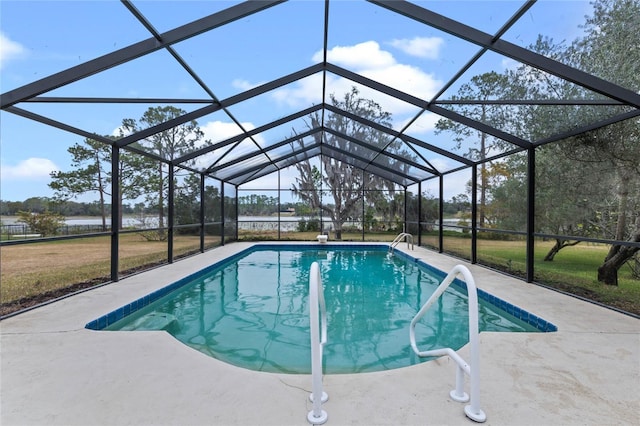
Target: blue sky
41	38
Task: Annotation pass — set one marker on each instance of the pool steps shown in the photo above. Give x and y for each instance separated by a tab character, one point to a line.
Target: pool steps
397	240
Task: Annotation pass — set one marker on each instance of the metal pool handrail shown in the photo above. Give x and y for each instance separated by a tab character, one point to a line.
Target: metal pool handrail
473	410
318	326
397	240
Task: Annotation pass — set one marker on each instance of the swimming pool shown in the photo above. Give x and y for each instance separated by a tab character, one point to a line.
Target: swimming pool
251	310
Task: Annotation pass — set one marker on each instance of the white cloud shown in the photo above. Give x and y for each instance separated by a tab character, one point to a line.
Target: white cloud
360	56
422	47
30	169
217	131
244	84
369	60
303	94
509	64
423	125
9	50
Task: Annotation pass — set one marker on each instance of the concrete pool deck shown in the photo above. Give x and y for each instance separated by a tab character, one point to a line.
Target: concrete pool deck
56	372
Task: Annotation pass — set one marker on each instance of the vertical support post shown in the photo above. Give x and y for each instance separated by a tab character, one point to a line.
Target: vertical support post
404	207
474	214
279	205
170	212
237	212
419	213
202	213
222	213
441	214
531	208
115	211
363	204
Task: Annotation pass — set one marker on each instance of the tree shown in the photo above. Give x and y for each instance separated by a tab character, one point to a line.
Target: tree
344	183
45	223
91	166
169	145
484	87
91	173
610	50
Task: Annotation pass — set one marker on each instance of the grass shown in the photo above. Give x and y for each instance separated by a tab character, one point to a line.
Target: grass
573	270
32	273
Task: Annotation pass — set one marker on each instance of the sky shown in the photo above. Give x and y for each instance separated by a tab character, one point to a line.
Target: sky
38	39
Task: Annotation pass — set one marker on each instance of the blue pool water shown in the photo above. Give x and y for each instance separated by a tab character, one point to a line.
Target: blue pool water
252	310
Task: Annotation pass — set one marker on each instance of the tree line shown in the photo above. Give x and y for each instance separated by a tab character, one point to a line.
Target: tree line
63	208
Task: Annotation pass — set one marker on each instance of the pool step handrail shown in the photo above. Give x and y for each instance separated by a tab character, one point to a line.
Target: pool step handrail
398	239
472	410
318	326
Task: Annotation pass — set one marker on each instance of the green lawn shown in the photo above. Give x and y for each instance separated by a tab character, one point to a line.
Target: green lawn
574	270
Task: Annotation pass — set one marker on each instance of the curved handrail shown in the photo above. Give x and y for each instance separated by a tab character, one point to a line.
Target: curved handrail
398	239
473	410
318	326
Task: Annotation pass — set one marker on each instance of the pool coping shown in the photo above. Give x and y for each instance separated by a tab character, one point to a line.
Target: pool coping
118	314
56	372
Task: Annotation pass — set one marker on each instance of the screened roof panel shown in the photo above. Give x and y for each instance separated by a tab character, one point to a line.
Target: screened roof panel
384	172
361	149
139	80
238	150
399	109
240	166
406	168
290	159
263	48
402	53
102	119
81	35
280	102
487	16
440	162
252	174
286	147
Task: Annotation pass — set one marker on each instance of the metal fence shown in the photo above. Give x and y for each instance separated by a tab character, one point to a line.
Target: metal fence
18	231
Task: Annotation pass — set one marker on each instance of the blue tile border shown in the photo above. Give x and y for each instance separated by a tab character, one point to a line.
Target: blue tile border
118	314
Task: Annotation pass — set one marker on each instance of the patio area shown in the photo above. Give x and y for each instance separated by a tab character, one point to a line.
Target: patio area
56	372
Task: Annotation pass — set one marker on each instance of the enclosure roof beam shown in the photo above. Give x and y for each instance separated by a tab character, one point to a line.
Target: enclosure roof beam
87	100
